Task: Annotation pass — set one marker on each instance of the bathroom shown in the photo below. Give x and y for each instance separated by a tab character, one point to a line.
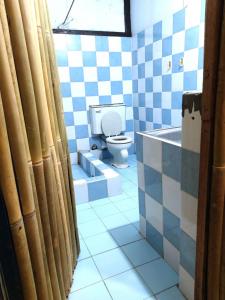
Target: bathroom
112	149
142	78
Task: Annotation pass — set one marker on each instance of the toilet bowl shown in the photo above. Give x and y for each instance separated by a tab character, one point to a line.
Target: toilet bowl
118	146
109	121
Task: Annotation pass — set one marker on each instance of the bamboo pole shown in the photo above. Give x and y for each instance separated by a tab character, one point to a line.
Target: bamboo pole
8	187
21	165
31	118
65	159
62	229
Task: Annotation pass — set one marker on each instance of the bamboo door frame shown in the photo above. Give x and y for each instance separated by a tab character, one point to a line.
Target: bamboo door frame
210	253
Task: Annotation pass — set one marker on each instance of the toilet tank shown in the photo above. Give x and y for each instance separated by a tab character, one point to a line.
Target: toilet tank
98	111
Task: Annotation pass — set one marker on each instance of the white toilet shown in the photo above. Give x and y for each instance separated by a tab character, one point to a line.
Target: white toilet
110	120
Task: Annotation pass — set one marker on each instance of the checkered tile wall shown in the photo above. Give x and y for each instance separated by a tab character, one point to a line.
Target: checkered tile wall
93	70
167	60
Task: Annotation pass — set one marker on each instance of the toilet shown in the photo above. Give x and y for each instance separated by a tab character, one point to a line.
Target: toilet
110	120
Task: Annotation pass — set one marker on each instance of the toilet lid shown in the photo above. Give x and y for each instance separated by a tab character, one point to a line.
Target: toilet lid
111	123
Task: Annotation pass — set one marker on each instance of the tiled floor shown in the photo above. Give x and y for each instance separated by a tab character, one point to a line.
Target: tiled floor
115	261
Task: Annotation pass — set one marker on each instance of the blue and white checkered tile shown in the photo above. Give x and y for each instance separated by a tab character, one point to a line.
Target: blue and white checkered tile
103	182
159	195
167	60
92	70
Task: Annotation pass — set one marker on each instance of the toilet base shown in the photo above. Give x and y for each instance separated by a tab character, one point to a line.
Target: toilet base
120	166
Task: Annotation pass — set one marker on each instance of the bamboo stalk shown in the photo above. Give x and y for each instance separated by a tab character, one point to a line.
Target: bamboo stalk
21	167
8	187
59	110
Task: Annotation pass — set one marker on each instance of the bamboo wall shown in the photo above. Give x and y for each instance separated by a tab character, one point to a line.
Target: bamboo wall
35	170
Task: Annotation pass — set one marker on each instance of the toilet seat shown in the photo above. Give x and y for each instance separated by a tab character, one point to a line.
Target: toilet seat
119	139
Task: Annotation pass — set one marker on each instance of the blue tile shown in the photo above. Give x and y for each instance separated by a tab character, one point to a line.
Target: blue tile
68	118
111	263
127	285
149	114
129	125
81	131
139	146
158	275
167	46
127	73
200	58
157	100
157	67
91	88
86	274
192	38
140	252
116	87
91	292
141	39
97	190
73	42
166	116
115	59
72	146
135	86
176	68
134	57
125	234
141	198
136	113
171	161
101	43
149	84
153	183
100	243
179	21
86	216
155	238
141	71
190	172
148	52
62	58
187	253
177	100
166	83
76	74
126	44
157	31
105	100
84	253
157	126
128	101
141	99
103	73
171	228
190	81
89	59
79	104
65	89
142	125
171	294
91	228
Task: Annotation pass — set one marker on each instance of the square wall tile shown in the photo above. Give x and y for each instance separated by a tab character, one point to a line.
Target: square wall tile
187	253
171	157
141	197
179	21
97	190
153	183
155	238
154	213
157	31
171	228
